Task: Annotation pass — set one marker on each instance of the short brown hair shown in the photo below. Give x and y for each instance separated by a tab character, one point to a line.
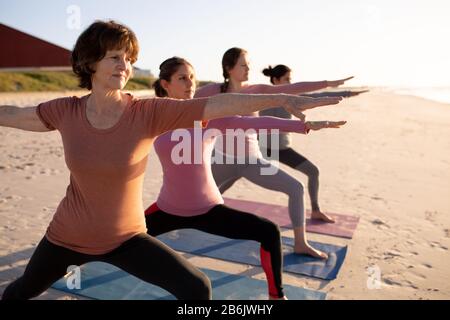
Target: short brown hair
93	44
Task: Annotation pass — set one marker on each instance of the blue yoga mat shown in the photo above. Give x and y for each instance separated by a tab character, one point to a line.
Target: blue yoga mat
246	251
105	282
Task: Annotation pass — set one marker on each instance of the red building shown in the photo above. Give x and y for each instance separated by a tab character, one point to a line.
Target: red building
21	50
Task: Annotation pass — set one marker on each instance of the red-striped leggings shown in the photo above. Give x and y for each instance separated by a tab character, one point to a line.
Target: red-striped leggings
230	223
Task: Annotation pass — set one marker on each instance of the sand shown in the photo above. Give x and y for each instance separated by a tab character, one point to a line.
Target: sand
390	165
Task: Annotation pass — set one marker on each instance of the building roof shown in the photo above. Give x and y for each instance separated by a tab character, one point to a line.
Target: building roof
21	50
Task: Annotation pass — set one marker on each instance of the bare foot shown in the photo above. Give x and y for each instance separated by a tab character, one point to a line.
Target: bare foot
310	251
321	216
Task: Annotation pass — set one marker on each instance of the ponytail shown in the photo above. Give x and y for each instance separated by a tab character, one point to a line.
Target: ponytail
276	72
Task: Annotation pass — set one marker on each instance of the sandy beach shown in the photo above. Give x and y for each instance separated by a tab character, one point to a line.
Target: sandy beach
390	165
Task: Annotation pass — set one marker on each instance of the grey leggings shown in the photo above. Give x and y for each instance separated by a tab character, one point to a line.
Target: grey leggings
226	175
296	161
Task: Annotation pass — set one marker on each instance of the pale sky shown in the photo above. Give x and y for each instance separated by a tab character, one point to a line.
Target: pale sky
380	42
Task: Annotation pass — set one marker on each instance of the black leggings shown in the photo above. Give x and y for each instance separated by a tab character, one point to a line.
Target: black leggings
289	157
142	256
230	223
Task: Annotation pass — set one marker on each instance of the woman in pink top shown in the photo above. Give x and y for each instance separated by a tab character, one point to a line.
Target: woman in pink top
249	165
107	136
189	197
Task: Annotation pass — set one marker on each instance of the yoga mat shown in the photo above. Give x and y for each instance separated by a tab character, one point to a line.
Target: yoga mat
344	225
106	282
245	251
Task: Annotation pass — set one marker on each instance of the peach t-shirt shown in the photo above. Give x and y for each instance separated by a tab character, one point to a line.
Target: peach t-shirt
103	203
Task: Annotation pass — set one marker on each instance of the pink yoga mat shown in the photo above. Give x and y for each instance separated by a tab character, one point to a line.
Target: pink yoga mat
344	226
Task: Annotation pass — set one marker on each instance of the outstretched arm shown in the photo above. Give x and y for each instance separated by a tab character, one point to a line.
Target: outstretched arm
344	94
257	123
318	125
229	104
21	118
294	88
356	93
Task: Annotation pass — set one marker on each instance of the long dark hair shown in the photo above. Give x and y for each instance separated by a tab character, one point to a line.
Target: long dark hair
166	70
276	72
229	60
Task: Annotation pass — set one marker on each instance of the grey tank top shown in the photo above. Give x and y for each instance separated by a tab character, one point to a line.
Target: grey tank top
284	138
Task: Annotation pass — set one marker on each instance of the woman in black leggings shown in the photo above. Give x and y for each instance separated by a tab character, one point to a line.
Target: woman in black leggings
279	75
230	223
189	197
